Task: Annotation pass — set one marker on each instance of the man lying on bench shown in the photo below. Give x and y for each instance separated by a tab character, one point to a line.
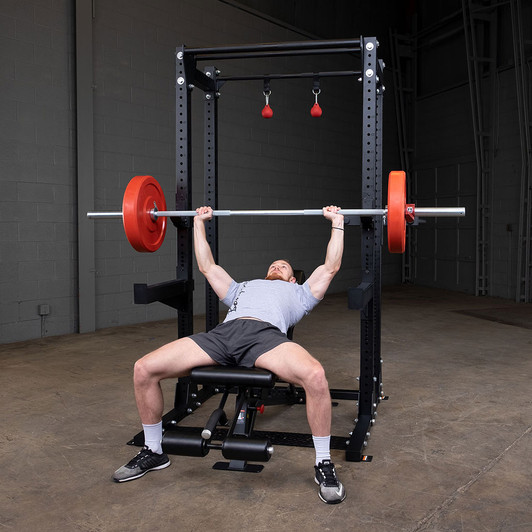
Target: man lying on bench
253	334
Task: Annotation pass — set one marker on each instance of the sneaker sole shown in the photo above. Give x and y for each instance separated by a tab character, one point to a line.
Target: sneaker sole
162	466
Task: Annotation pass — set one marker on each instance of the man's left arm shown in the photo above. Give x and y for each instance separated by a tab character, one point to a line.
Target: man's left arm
322	276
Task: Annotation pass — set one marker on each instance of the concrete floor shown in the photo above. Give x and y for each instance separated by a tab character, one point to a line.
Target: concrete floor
452	448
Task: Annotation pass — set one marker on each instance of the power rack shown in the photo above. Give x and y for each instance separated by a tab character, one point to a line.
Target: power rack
366	297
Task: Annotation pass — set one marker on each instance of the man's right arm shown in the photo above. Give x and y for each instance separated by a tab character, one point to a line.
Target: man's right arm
217	277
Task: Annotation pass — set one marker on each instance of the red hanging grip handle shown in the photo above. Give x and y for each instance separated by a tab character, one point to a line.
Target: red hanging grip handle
316	110
267	111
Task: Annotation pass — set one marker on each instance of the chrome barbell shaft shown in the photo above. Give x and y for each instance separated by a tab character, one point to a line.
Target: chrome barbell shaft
437	212
301	212
104	215
428	212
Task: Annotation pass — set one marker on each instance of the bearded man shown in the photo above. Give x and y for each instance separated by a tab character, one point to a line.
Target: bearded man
253	334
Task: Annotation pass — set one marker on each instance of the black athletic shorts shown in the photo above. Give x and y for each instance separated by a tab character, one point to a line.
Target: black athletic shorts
239	342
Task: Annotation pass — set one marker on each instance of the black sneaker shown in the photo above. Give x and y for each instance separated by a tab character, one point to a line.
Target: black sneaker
331	489
145	461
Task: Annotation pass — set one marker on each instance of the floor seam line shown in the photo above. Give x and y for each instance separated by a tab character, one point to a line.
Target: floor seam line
426	521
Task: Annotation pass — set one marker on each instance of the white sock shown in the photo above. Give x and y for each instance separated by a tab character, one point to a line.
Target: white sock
322	444
153	436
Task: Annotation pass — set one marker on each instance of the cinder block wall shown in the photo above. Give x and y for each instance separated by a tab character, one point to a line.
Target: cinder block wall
37	154
290	161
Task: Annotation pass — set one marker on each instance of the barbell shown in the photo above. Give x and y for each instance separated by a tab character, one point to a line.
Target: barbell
144	213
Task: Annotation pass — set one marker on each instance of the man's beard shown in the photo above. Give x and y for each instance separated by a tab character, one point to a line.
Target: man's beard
275	276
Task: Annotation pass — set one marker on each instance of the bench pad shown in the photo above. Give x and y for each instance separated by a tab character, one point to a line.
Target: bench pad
233	376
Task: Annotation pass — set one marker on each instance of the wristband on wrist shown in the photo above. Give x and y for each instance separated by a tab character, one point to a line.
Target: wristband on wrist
339	228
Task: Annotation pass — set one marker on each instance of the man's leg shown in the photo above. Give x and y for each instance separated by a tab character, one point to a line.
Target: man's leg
294	364
173	360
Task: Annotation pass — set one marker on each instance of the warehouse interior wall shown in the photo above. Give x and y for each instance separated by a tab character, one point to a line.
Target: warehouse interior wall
291	161
479	254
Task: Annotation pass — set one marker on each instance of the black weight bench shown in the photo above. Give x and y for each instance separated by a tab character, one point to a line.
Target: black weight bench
254	388
236	443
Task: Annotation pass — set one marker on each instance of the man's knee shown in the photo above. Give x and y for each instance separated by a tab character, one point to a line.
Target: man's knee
141	371
315	379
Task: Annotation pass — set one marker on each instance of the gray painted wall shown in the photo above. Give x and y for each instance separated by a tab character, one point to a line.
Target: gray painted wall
290	161
38	232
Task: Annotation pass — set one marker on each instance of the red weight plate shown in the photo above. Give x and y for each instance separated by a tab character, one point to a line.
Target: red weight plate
396	212
142	195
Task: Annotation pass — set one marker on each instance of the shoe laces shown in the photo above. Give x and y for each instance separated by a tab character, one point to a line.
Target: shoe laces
142	455
327	470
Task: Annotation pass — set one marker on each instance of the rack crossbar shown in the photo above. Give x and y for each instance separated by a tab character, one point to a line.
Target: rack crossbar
295	53
344	73
351	44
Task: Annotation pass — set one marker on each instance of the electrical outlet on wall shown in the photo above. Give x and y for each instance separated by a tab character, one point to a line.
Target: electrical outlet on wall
43	310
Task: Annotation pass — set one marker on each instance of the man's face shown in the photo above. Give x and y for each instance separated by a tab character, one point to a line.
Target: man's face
282	271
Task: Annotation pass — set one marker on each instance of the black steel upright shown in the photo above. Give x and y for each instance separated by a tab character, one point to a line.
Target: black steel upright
371	243
183	198
210	166
379	237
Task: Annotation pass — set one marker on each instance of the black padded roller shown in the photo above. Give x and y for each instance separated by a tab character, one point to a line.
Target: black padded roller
244	449
175	442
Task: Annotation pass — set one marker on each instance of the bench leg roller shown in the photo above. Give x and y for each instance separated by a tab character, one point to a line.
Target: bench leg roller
184	444
244	449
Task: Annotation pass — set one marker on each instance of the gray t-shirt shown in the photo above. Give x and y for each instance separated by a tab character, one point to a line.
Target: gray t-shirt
280	303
